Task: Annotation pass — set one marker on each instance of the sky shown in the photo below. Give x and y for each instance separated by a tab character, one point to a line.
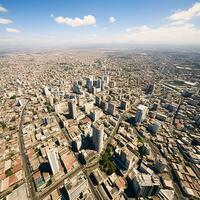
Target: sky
85	22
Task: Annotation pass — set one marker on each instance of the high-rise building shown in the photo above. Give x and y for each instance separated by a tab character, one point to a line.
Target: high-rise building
51	100
141	113
98	101
150	88
94	90
77	186
97	136
102	85
99	82
154	127
106	79
46	91
127	158
111	108
172	107
76	88
54	160
146	185
155	106
72	109
88	106
104	105
145	149
61	107
95	114
124	105
89	83
160	164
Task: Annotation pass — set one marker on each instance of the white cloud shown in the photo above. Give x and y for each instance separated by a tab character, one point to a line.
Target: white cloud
169	34
5	21
136	28
112	19
86	21
177	23
2	9
186	15
178	31
12	30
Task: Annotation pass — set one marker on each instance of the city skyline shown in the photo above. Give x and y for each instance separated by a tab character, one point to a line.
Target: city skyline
99	22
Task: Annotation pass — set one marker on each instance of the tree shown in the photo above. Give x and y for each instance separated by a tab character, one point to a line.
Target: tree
8	172
13	97
3	125
106	164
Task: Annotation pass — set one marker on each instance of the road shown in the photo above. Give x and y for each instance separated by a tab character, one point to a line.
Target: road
111	136
27	171
58	183
94	190
113	132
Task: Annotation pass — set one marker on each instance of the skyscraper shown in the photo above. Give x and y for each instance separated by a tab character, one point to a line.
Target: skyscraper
150	89
146	185
124	105
111	108
106	79
46	91
99	82
98	101
97	137
72	108
126	157
141	113
76	88
95	114
89	83
160	164
54	161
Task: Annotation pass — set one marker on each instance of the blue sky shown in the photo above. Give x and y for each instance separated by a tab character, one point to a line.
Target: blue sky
54	22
